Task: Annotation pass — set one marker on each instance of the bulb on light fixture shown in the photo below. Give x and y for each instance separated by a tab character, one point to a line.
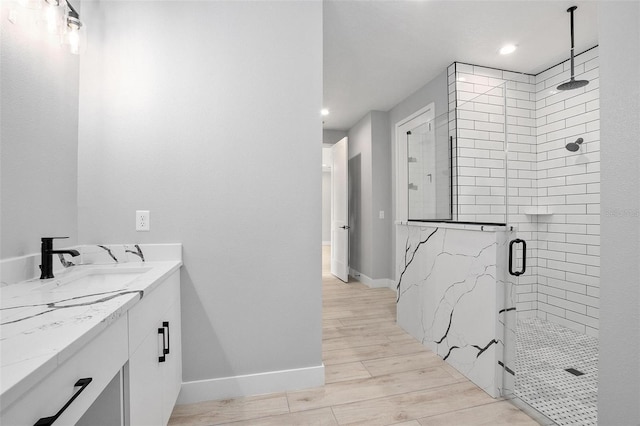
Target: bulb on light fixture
53	17
324	111
31	4
75	35
508	48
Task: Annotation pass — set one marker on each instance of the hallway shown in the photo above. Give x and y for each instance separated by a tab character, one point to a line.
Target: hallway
376	374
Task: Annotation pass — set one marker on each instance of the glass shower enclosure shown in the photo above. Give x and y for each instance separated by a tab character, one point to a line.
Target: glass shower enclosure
499	157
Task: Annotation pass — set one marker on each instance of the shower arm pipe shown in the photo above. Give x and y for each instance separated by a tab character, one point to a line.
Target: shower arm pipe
570	10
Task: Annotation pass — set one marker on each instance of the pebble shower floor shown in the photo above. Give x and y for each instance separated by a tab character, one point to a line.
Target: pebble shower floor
544	352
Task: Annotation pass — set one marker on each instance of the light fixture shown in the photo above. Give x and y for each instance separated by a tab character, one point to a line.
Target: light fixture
53	17
31	4
324	111
75	32
507	48
57	19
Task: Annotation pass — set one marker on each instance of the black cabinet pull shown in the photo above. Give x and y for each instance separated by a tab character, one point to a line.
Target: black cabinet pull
162	358
46	421
524	257
165	324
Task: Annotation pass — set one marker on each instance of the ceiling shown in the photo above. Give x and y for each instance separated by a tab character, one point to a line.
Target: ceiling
376	53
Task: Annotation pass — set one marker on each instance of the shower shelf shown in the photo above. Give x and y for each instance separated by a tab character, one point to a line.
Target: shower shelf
538	211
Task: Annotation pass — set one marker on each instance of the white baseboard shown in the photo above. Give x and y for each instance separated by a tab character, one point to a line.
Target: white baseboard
370	282
251	384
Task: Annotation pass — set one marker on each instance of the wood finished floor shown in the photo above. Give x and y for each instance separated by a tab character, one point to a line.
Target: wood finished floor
376	374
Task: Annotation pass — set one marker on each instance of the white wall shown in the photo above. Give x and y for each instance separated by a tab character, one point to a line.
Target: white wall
203	114
39	119
568	185
619	367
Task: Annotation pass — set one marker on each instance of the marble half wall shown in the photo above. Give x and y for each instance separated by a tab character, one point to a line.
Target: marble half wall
455	297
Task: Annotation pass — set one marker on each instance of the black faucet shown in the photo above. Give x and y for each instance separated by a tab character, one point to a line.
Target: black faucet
46	253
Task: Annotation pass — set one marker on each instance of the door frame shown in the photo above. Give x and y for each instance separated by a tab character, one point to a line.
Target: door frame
402	179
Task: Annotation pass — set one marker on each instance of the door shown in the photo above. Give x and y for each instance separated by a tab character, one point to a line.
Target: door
340	211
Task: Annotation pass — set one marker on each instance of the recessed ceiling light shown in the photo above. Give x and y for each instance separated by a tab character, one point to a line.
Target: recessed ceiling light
508	48
324	111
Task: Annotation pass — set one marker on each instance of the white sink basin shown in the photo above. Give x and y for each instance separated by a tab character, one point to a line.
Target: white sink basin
94	280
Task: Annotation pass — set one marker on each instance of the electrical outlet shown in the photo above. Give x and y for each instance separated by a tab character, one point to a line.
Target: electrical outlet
142	220
381	214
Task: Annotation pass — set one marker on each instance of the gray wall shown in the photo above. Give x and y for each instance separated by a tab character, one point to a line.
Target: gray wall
619	368
330	136
39	141
434	91
360	207
369	193
381	195
195	113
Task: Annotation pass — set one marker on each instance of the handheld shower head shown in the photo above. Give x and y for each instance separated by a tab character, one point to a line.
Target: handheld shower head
574	146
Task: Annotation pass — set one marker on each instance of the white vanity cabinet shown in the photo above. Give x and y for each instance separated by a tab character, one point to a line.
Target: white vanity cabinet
155	359
100	360
107	357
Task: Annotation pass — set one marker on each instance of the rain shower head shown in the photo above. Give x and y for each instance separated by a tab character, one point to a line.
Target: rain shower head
574	146
573	83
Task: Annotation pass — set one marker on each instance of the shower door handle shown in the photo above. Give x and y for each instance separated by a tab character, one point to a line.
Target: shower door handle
511	257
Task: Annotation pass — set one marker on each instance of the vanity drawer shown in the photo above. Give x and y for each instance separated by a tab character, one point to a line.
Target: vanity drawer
100	360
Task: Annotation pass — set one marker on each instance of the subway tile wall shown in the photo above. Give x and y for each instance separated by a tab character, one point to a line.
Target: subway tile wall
568	185
554	194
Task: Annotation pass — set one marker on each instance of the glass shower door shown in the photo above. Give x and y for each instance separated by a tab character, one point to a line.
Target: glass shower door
429	171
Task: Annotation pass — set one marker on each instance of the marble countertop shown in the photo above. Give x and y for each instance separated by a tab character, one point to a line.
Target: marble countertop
458	225
44	322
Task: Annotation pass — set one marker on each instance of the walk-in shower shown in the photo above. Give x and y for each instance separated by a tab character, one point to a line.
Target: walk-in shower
514	163
491	185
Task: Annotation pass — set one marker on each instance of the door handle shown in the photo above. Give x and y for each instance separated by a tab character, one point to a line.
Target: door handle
524	257
46	421
345	227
